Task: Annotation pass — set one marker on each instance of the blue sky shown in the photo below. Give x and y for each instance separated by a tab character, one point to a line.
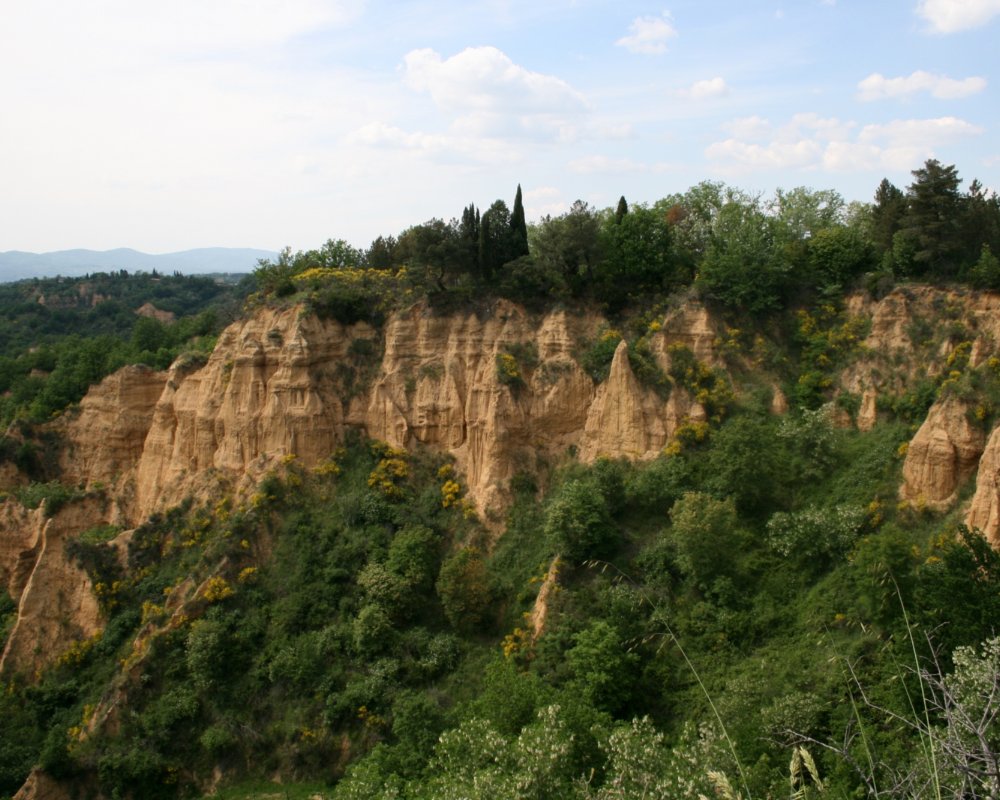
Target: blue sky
264	123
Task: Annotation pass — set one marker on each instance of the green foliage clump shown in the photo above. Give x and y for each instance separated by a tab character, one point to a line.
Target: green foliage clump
578	523
52	496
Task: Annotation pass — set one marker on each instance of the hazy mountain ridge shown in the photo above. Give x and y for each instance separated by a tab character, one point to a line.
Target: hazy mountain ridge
18	264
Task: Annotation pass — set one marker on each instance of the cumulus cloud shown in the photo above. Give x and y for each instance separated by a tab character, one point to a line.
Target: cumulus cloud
748	127
649	35
485	79
951	16
706	89
878	87
491	95
544	200
809	141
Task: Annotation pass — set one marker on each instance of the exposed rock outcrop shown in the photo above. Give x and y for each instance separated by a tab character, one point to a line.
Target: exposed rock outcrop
286	382
984	510
942	455
41	786
56	604
107	437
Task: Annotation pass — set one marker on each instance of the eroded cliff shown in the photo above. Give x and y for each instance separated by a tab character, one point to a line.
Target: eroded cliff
498	391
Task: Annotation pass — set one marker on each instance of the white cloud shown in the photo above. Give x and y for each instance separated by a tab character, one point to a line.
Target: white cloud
485	79
951	16
748	127
542	201
490	95
706	89
649	35
809	141
878	87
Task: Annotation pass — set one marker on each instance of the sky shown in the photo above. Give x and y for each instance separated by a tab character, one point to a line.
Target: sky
164	126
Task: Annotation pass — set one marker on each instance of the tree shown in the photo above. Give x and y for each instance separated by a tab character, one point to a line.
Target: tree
805	212
495	238
707	536
621	211
985	274
463	588
838	254
887	214
577	522
382	253
637	256
603	667
744	266
434	248
570	245
337	253
980	222
933	219
518	229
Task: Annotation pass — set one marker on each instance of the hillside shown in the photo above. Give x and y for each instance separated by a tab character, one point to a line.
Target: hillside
16	265
395	535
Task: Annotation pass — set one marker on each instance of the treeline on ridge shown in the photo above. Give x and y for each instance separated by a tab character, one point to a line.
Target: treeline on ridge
742	250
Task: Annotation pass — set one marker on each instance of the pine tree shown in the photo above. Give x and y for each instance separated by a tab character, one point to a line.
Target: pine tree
933	218
518	229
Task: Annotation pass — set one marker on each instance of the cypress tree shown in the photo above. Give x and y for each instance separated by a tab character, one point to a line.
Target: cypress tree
621	211
518	228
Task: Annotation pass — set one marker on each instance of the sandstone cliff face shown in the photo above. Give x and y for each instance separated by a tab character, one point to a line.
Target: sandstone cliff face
943	454
56	604
913	331
284	382
984	511
106	438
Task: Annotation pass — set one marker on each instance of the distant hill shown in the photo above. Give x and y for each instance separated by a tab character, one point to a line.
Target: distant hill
17	265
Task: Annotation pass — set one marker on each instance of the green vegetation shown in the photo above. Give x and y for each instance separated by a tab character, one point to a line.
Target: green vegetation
750	614
742	251
60	335
715	610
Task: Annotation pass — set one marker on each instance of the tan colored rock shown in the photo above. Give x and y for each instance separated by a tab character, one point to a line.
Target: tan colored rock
56	604
868	411
779	402
106	438
41	786
275	386
942	455
625	419
984	510
151	311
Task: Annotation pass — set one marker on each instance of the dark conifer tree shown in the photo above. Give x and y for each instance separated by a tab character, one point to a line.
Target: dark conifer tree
621	211
382	253
485	249
468	233
933	219
887	214
518	229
